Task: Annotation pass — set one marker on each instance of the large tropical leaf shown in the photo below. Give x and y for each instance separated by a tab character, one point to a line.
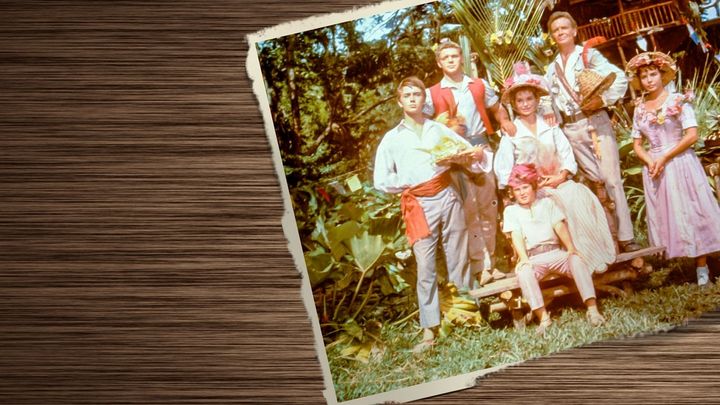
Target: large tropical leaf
366	250
338	234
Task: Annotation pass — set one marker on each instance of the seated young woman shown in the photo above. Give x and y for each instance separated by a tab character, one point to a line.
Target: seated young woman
549	150
537	227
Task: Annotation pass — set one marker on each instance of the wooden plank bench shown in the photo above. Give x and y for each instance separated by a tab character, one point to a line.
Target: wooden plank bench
627	267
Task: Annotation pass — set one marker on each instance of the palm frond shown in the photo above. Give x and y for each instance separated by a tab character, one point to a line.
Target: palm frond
499	30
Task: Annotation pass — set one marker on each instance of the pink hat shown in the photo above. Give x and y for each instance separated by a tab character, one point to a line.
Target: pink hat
523	174
523	79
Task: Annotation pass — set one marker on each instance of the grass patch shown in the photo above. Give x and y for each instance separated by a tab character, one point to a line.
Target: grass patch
662	304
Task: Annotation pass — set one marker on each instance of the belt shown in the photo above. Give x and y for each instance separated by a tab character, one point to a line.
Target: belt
568	119
578	116
534	251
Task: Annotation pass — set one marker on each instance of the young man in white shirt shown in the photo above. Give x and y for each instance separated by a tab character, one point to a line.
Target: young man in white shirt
431	208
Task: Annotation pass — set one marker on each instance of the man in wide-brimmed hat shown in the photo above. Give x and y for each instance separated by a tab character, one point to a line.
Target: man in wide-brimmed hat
582	84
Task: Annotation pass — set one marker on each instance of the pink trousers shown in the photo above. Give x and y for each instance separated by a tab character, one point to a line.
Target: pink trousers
558	262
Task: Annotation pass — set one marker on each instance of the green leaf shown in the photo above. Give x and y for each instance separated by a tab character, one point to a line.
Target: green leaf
353	329
319	266
633	171
363	355
366	250
446	328
337	235
344	282
625	148
352	211
386	286
396	278
320	232
387	227
350	350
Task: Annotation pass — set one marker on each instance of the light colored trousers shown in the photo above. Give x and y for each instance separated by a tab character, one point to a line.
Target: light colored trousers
607	169
555	261
481	211
446	220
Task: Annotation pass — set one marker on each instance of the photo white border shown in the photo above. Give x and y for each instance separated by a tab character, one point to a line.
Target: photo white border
411	393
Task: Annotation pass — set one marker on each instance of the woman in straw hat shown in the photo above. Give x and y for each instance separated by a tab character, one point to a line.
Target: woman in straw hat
549	150
538	228
682	212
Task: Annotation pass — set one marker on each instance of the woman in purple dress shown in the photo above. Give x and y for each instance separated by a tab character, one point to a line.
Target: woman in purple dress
682	212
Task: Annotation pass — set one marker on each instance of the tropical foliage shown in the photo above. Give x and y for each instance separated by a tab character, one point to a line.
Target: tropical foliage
500	29
331	93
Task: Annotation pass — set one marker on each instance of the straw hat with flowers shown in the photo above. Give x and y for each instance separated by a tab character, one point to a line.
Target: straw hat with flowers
663	62
522	79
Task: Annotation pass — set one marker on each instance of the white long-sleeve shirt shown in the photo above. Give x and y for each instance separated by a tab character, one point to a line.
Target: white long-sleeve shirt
403	159
522	148
597	62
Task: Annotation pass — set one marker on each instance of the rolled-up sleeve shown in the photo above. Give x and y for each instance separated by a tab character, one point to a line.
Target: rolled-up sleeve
385	177
617	90
504	161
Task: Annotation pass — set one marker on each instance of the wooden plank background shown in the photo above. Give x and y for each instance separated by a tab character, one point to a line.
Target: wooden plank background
141	254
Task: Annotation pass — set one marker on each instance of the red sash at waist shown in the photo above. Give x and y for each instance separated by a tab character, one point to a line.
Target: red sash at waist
416	226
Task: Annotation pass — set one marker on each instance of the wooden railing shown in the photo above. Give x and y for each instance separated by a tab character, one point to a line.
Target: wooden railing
632	22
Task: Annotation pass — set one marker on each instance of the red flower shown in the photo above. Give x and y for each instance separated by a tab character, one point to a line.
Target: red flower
324	194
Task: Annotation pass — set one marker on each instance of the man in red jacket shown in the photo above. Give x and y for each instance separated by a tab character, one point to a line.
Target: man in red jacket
472	100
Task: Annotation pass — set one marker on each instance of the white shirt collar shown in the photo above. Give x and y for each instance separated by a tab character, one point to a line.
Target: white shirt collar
445	82
540	127
404	124
572	59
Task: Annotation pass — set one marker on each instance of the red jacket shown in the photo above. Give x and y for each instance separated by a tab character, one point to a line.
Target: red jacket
443	100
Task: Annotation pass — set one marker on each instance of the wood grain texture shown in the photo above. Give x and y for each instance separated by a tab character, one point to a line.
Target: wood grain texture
141	254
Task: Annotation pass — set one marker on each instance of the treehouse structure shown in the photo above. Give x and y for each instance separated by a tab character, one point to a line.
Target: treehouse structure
630	25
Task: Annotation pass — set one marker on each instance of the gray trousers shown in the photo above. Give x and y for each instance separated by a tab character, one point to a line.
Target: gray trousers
446	220
607	169
481	208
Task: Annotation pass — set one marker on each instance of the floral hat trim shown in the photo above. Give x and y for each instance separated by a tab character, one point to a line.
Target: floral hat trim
662	61
523	78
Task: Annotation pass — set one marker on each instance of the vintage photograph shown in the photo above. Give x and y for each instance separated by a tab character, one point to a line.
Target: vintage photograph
471	184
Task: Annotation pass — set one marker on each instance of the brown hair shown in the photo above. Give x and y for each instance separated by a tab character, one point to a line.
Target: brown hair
446	43
560	14
514	92
412	81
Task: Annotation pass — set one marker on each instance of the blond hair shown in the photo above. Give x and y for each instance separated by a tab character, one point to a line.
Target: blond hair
560	14
446	43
